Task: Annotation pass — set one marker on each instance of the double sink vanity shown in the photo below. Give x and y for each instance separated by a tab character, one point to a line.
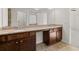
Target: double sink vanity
24	38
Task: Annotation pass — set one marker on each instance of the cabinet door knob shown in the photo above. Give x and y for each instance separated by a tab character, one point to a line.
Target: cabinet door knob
21	41
16	42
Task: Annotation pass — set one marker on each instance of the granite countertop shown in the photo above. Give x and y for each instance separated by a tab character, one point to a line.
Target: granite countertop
11	30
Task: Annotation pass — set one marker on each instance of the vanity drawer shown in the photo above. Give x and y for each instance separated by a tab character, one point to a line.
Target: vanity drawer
22	35
32	34
3	39
18	36
12	36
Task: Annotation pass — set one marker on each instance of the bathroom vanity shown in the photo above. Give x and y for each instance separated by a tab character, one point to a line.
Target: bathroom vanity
24	39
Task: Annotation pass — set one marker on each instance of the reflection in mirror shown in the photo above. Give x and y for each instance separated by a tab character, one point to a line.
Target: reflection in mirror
32	20
42	18
21	19
9	16
27	16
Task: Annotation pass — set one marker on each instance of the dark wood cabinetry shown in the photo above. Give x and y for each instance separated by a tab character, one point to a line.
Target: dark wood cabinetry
52	36
18	42
9	46
26	41
59	36
32	39
24	45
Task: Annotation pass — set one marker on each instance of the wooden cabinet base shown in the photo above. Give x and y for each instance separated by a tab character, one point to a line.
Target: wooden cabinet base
26	41
52	36
18	42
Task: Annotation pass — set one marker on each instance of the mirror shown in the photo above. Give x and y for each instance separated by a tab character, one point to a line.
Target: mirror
32	20
27	16
21	18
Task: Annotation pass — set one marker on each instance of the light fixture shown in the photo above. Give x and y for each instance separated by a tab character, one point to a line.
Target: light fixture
36	8
50	8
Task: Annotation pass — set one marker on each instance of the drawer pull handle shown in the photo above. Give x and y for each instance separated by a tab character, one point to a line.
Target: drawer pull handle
16	42
21	41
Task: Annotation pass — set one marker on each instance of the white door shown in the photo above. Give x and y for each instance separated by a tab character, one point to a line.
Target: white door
74	17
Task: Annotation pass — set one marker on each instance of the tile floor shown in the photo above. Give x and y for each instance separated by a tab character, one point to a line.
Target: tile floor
61	46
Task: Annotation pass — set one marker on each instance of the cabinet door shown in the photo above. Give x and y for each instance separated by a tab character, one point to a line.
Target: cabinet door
32	41
59	36
29	43
46	37
9	46
52	37
24	44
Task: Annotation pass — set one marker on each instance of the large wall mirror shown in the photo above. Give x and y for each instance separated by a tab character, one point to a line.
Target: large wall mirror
27	16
